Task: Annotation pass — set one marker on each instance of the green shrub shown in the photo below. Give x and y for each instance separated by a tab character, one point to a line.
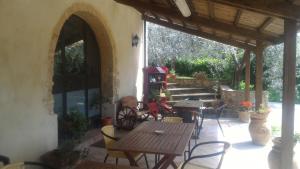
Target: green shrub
215	68
242	86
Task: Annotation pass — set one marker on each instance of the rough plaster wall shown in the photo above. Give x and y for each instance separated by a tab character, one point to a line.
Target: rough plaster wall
28	127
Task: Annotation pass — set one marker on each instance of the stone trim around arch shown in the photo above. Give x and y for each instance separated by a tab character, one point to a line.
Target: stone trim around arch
105	43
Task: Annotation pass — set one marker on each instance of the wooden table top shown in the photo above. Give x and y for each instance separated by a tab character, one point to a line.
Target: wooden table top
189	104
97	165
144	139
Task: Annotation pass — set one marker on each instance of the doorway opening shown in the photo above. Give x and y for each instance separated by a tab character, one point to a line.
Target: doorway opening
77	77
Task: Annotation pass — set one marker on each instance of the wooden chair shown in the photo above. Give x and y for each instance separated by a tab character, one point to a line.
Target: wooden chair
219	147
27	165
172	120
130	110
110	139
4	160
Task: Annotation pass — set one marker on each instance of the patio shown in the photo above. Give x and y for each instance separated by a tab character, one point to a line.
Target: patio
242	154
31	37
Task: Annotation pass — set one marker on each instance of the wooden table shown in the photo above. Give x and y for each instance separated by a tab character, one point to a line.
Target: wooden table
188	110
97	165
143	139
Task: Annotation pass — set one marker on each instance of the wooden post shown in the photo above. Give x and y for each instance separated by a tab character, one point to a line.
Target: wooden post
259	74
288	98
247	75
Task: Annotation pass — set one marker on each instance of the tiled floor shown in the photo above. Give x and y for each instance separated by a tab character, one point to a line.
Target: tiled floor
242	154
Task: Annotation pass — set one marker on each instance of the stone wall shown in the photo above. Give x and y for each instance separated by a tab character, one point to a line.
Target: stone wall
233	98
193	82
28	36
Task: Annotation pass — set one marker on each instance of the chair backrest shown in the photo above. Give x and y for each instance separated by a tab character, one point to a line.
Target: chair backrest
5	160
172	120
27	165
129	101
219	152
108	133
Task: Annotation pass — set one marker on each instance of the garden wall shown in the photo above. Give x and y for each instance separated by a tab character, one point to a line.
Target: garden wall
233	98
192	82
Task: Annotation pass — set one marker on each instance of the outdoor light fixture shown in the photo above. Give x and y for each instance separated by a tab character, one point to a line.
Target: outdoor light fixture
135	40
183	7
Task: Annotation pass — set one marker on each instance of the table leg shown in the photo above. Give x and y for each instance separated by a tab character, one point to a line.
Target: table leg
160	162
130	159
169	161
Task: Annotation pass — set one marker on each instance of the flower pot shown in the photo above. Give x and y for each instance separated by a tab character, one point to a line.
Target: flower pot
58	159
244	116
106	121
259	130
274	156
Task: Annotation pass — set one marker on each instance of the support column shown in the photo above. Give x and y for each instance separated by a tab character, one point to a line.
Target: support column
247	75
259	74
288	98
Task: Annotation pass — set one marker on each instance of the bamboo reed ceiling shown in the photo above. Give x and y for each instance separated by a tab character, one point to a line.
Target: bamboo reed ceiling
239	23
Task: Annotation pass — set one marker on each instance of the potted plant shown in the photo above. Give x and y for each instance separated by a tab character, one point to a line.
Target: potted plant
245	110
62	157
73	126
275	154
259	130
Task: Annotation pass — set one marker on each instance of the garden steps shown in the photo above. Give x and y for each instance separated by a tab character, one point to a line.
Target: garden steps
185	90
205	101
171	85
193	96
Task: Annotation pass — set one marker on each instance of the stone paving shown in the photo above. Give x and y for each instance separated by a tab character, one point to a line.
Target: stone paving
242	154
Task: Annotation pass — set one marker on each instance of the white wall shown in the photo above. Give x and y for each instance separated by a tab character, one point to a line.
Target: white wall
28	127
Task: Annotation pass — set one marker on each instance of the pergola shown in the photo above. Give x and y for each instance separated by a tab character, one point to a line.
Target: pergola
249	24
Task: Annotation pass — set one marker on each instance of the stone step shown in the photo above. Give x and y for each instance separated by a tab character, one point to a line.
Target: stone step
186	90
193	96
171	85
206	101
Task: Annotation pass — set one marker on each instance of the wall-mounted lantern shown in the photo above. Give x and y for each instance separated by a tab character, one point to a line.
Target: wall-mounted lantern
135	40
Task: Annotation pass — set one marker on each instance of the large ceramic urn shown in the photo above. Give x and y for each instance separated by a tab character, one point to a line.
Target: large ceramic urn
275	155
259	129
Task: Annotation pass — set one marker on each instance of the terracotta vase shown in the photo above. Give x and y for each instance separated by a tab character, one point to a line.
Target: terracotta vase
106	121
259	130
274	156
244	116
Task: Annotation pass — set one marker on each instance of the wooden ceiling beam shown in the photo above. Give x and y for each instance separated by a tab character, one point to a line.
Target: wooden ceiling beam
211	9
266	23
279	8
237	17
201	34
229	28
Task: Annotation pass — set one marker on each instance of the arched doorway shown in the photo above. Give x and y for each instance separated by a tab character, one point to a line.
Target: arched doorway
77	75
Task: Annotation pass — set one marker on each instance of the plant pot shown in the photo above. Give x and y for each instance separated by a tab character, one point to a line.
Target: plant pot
259	130
244	116
274	156
106	121
58	159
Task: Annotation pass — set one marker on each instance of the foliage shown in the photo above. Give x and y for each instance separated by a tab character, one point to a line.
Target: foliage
263	109
242	86
214	68
74	124
74	60
189	54
276	132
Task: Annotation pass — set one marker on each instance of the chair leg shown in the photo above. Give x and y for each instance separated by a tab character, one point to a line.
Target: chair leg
105	158
202	119
117	160
146	160
220	127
